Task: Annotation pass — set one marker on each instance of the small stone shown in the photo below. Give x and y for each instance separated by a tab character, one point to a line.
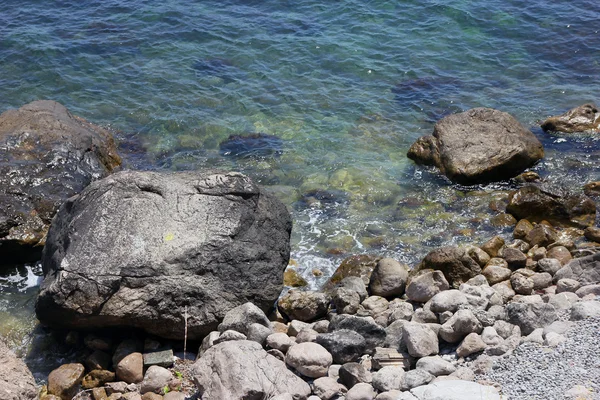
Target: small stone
155	379
97	360
464	373
541	235
96	378
460	325
495	273
400	309
537	336
522	229
436	365
587	290
309	359
65	380
307	335
375	304
388	378
327	388
420	340
99	393
241	317
388	278
567	285
181	396
352	373
416	378
280	341
549	265
492	246
471	344
514	257
161	358
116	387
130	369
361	391
553	339
592	233
561	253
521	284
259	333
490	337
448	300
345	301
541	280
426	284
304	305
277	354
579	392
344	345
585	309
94	342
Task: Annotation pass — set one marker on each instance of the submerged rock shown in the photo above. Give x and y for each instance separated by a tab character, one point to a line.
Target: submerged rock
251	145
46	156
136	248
584	118
480	145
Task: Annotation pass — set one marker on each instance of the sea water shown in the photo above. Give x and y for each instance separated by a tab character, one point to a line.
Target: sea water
345	86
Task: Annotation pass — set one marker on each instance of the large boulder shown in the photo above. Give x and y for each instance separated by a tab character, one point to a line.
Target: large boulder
478	146
553	204
243	370
46	156
454	262
16	381
138	248
585	270
584	118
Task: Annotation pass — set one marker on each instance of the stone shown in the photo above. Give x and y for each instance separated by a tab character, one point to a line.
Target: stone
541	280
561	253
241	317
16	380
522	229
181	396
592	189
400	309
495	274
395	395
549	265
472	343
584	118
352	373
567	285
48	155
116	387
326	388
292	278
229	335
436	365
242	369
514	257
592	233
454	262
280	341
96	378
477	254
124	348
480	145
460	325
541	235
357	266
586	270
530	316
155	379
373	333
296	326
98	360
448	300
259	333
208	342
521	284
585	309
464	374
162	358
588	290
229	238
425	284
309	359
424	316
64	381
579	392
99	393
388	378
537	336
375	304
304	306
361	391
131	368
456	390
388	278
420	340
344	345
321	326
492	247
151	396
505	290
556	205
416	378
346	301
553	339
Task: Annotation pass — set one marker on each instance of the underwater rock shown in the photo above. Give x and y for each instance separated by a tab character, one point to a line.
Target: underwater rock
252	145
135	248
480	145
585	118
46	156
556	205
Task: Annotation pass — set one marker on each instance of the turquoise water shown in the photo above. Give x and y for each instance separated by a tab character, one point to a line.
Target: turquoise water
347	87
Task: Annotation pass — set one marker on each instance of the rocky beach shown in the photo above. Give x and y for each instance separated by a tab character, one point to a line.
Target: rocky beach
179	285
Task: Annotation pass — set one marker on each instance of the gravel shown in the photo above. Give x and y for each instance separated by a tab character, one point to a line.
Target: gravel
536	372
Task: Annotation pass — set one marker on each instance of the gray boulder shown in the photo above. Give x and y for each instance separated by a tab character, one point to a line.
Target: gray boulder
240	318
456	390
373	333
16	381
478	146
584	118
585	270
243	370
136	247
344	345
420	339
46	156
530	316
388	278
425	284
304	305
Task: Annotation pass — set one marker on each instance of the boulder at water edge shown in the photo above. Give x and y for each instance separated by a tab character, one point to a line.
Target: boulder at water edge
244	370
136	248
585	118
46	156
16	381
478	146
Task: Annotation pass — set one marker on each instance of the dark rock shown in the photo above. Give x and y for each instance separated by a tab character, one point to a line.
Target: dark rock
162	358
346	301
373	333
47	155
522	229
592	189
585	118
480	145
304	306
541	235
16	381
454	262
344	345
585	270
388	278
251	145
592	233
98	360
529	317
358	265
136	248
96	378
514	258
555	205
492	247
353	373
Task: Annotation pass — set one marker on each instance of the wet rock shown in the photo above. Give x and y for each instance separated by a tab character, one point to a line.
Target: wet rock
514	258
96	378
241	317
309	359
480	256
242	369
292	278
420	340
522	229
586	270
454	262
584	118
425	284
16	381
592	189
98	360
64	381
353	373
388	278
592	233
478	146
530	316
229	238
255	145
48	155
541	235
155	379
344	345
556	205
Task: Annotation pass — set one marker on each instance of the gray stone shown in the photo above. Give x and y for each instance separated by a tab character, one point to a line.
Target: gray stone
393	334
373	333
259	333
296	326
585	309
375	304
416	378
425	284
155	379
471	344
537	336
549	265
241	317
460	325
356	284
395	395
304	305
541	280
307	335
563	301
558	327
352	373
361	391
321	326
162	358
16	381
420	340
490	337
388	278
553	339
521	284
530	316
448	300
456	390
587	290
495	273
464	373
208	342
229	335
346	301
436	365
344	345
309	359
327	388
567	285
229	239
400	309
280	341
388	378
242	369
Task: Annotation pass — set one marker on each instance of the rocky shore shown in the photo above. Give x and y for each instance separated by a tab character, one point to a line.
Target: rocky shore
138	265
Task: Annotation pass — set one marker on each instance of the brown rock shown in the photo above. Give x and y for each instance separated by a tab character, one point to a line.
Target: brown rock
131	368
503	220
99	393
592	189
453	262
584	118
561	253
541	235
592	233
514	258
304	306
292	278
97	378
495	274
358	265
522	229
493	246
65	380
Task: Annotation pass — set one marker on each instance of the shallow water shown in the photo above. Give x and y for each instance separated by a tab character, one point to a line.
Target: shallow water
346	86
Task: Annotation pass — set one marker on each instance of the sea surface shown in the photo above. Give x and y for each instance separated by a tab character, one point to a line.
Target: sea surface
342	88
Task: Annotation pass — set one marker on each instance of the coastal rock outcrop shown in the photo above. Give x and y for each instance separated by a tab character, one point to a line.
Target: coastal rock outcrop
46	156
137	248
16	381
585	118
480	145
